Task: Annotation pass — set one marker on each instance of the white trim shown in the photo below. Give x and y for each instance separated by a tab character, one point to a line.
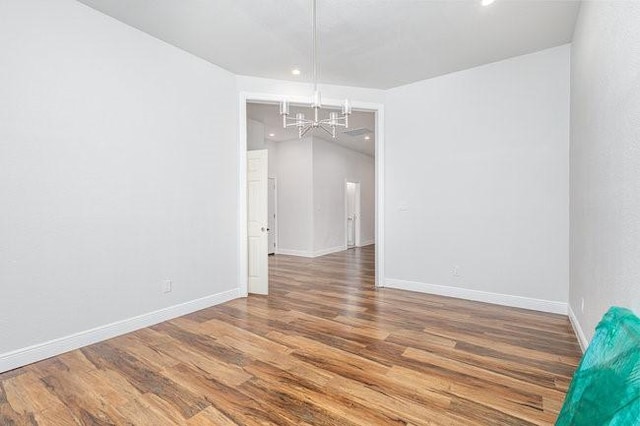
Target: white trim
367	243
40	351
577	328
481	296
379	213
242	178
323	252
289	252
308	253
346	209
358	213
358	229
275	212
243	256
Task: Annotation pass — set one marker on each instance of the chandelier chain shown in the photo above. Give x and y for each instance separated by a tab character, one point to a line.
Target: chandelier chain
314	12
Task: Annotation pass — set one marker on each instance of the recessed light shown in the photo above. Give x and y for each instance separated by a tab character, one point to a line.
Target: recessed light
272	135
295	71
487	2
366	138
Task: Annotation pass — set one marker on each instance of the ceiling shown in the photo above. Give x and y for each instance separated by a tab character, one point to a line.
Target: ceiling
268	114
369	43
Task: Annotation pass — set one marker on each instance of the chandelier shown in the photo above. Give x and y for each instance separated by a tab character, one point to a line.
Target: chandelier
304	125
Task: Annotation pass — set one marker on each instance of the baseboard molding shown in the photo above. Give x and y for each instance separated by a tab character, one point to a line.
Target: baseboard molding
307	253
367	243
289	252
577	328
329	250
480	296
38	352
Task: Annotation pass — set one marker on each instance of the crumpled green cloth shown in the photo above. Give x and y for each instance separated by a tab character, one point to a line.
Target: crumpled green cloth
605	389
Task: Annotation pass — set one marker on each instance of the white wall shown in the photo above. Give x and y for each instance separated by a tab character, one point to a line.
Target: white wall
311	176
293	170
332	165
116	153
605	161
477	177
255	135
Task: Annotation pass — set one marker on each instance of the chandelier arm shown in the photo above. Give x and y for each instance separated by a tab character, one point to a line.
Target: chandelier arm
293	122
336	119
322	126
336	122
304	130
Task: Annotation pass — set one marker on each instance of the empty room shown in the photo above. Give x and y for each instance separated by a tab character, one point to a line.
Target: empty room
319	212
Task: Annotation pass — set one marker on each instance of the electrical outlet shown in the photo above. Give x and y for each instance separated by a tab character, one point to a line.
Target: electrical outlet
455	271
582	305
167	286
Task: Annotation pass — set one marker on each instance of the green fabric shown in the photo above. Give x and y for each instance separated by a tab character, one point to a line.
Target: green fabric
605	389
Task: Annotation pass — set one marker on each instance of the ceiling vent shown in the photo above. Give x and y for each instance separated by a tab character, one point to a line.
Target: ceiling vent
358	132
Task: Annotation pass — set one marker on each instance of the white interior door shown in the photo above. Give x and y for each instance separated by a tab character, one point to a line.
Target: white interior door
257	203
353	213
356	215
272	216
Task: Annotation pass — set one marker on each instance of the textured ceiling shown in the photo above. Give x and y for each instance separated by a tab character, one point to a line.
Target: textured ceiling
367	43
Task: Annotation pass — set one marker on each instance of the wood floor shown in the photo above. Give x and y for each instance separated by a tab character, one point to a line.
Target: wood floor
325	348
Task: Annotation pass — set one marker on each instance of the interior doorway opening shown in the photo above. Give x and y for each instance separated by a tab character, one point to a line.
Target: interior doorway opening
352	217
322	187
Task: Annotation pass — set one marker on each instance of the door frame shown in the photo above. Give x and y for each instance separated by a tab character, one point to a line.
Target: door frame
275	211
376	108
357	237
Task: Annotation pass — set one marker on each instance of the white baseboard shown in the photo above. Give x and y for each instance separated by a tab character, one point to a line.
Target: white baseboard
577	328
289	252
367	243
480	296
323	252
308	253
40	351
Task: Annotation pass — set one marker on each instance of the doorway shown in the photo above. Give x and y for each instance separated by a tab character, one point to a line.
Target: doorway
377	216
352	217
272	218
